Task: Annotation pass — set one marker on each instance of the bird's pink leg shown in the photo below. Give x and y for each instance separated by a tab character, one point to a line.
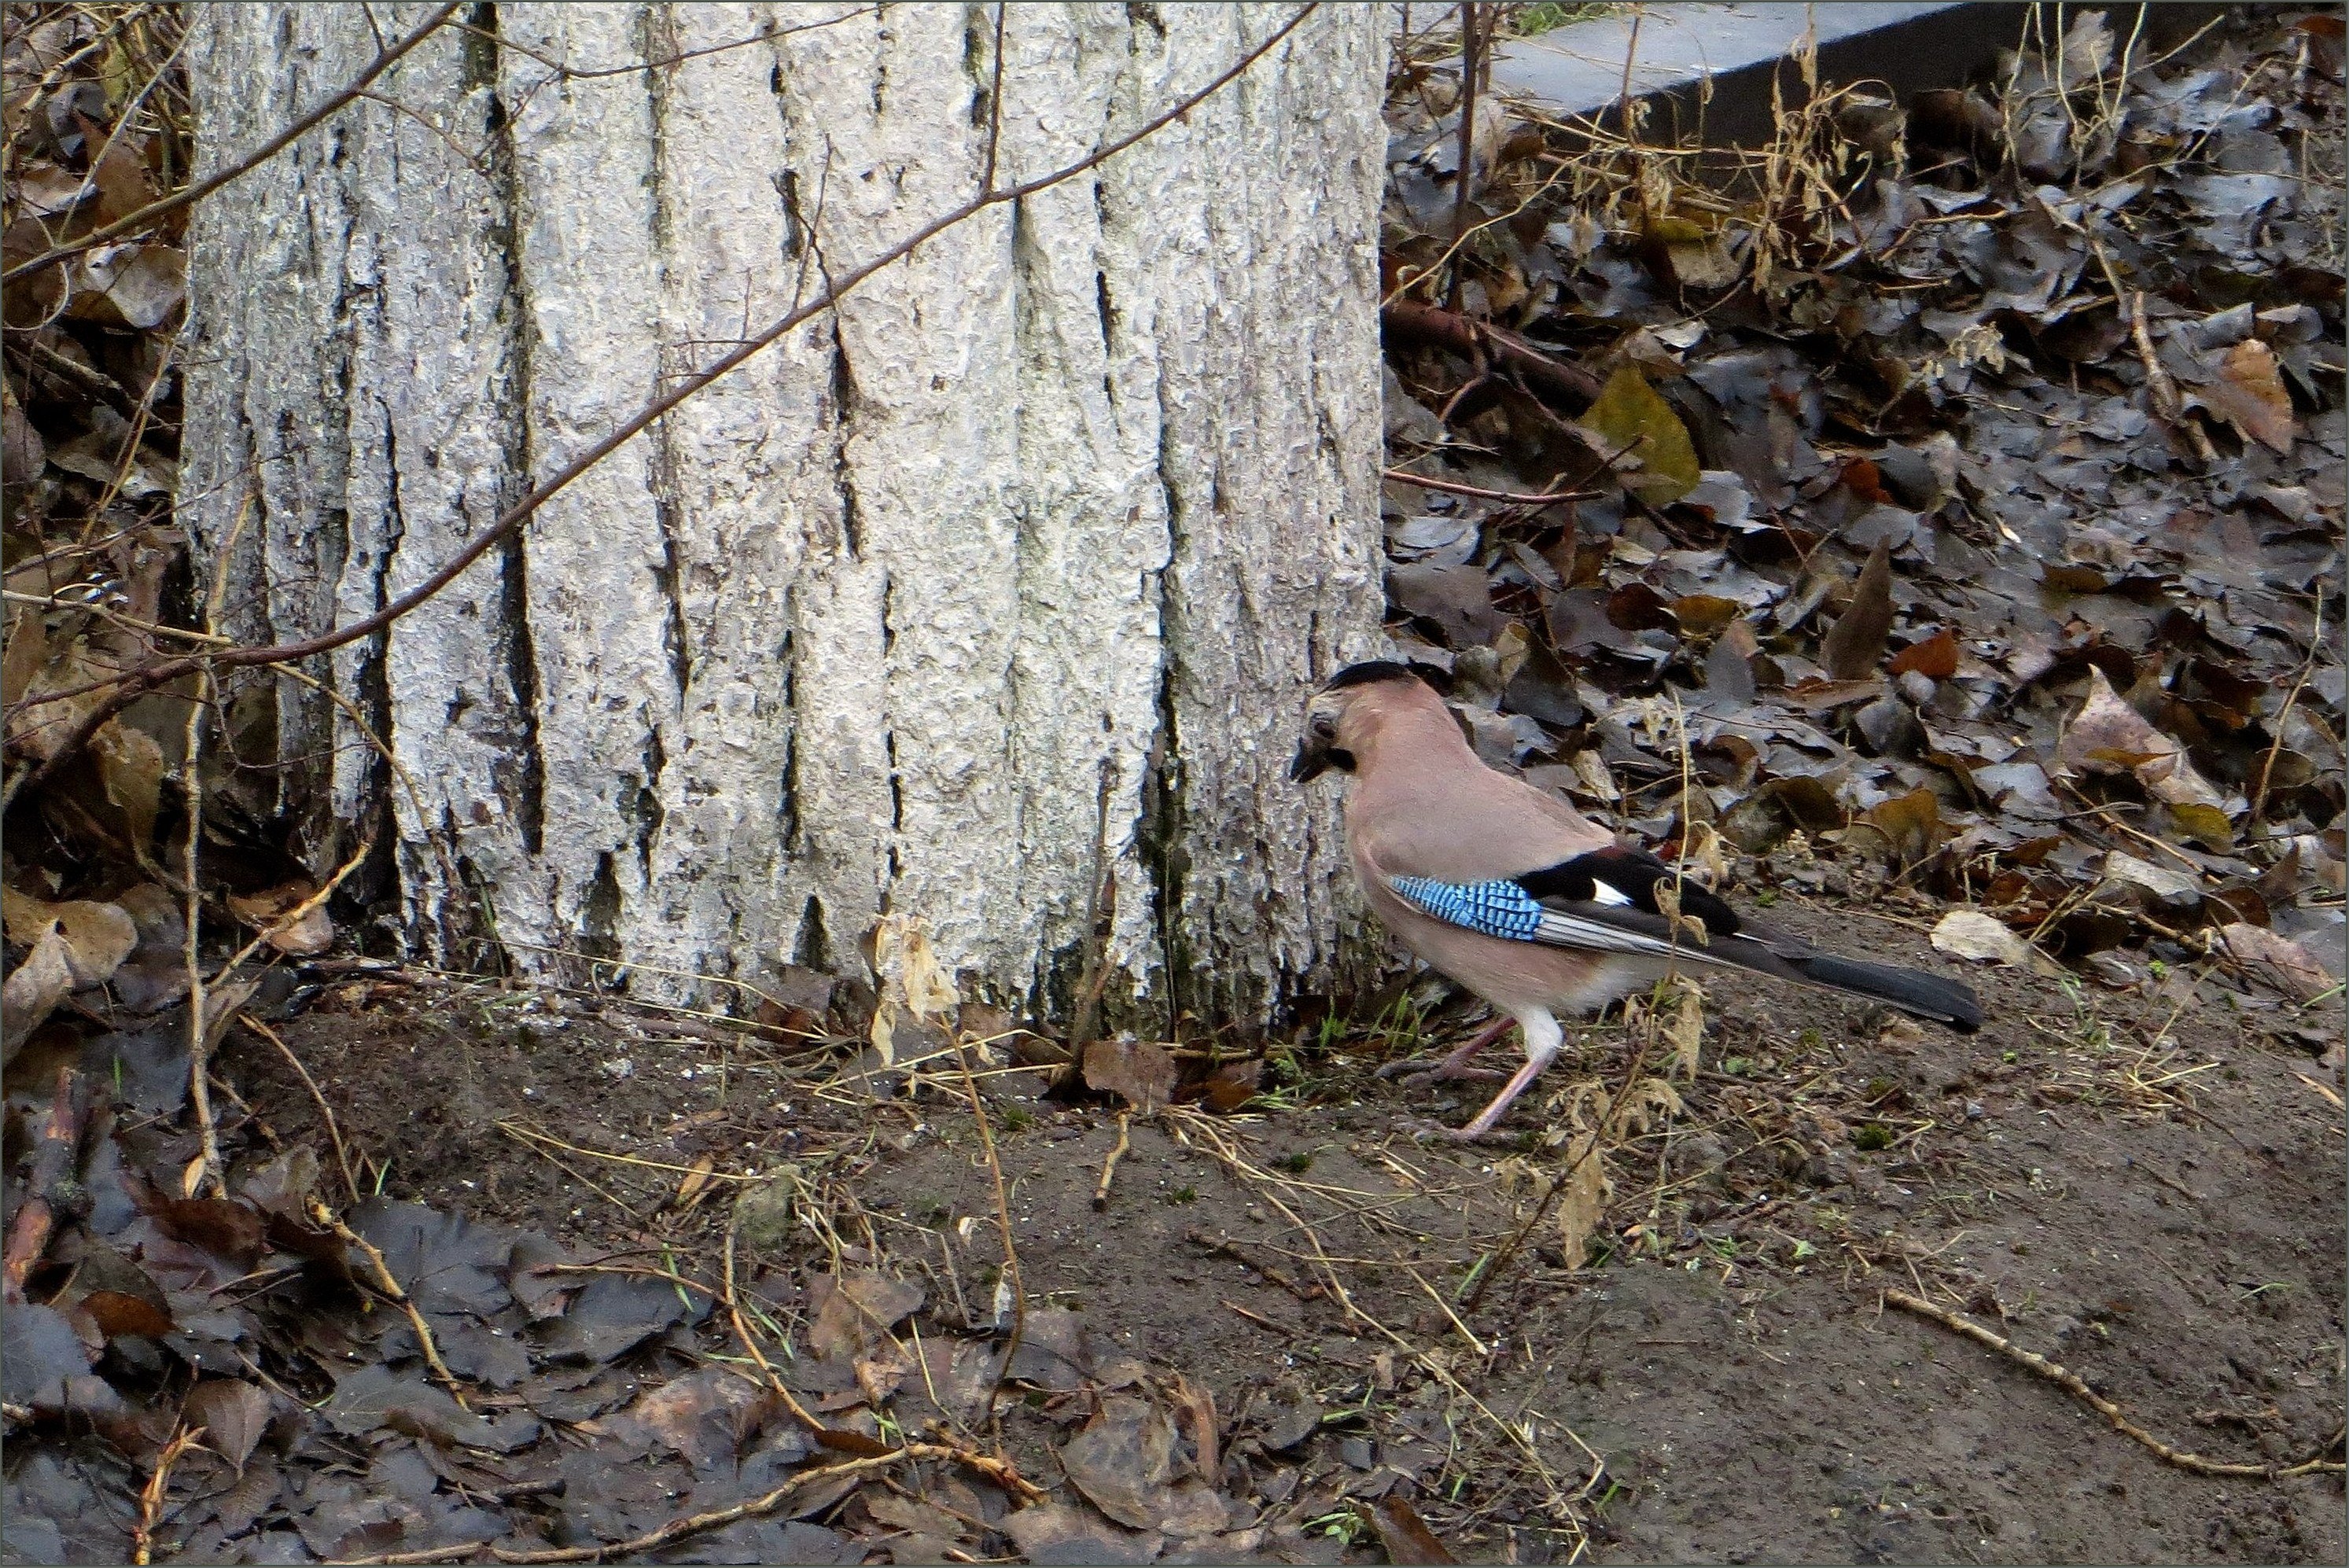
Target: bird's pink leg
1543	1037
1456	1064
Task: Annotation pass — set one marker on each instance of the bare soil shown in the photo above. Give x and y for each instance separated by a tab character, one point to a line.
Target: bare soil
2146	1187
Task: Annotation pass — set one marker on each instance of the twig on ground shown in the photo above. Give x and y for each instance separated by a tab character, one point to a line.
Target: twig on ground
390	1287
800	1412
1109	1166
2072	1384
52	1163
1260	1320
1450	330
1241	1254
1010	1283
2160	390
150	1496
1453	487
193	784
333	1132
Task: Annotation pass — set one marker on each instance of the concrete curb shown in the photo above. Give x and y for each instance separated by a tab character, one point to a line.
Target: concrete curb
1578	71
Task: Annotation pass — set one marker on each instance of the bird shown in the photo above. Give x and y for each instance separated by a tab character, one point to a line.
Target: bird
1514	894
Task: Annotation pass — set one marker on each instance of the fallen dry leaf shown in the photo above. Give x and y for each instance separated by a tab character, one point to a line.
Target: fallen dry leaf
912	982
2250	395
1857	639
1123	1462
97	936
1632	418
32	991
2281	962
1140	1070
2108	736
1405	1535
270	913
1983	938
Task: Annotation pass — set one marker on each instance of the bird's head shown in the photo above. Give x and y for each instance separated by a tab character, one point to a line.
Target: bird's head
1346	713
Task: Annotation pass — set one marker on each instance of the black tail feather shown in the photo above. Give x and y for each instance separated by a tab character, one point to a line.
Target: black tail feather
1926	995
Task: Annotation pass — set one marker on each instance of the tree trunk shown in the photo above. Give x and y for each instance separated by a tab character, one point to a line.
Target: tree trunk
1002	584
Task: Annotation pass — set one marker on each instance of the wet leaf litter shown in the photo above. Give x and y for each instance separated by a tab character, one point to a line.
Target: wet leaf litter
1953	559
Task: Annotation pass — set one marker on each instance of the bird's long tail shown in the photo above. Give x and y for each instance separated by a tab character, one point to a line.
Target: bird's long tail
1927	997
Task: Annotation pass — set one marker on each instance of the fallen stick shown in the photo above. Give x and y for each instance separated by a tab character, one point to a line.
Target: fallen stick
1446	329
388	1283
1236	1252
2070	1382
1453	487
1109	1166
53	1166
150	1496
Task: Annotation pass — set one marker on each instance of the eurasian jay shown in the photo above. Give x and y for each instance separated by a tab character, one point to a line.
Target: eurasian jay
1514	894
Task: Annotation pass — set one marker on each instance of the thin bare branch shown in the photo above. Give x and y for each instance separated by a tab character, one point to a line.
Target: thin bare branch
136	683
238	170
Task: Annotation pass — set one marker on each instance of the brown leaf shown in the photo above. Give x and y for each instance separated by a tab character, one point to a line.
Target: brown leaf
1934	657
1197	1405
1140	1070
132	285
233	1414
221	1227
130	766
706	1415
1123	1462
97	936
117	1312
2279	962
270	913
857	1309
1055	1533
1405	1535
1910	825
696	1186
2109	736
2250	395
33	990
1856	642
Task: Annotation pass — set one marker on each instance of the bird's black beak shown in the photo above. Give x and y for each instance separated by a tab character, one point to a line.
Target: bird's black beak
1316	756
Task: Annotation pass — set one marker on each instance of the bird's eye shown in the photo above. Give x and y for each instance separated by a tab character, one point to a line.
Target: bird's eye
1324	726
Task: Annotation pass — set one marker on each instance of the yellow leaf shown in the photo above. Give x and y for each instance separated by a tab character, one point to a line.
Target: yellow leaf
1583	1204
1632	418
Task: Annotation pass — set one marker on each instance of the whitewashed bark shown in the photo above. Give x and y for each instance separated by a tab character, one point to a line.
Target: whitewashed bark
1081	496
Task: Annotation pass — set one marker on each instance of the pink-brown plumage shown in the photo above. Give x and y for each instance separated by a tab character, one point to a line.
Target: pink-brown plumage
1474	845
1423	804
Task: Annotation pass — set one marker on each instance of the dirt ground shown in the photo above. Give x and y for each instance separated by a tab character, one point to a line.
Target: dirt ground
2146	1187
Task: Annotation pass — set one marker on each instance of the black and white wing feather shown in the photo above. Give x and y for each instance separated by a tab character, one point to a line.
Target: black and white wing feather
1620	901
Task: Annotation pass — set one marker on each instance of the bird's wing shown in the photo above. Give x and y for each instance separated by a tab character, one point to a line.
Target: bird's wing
1544	907
1620	901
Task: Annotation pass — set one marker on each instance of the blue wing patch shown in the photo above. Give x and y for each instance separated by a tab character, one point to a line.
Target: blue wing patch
1501	909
